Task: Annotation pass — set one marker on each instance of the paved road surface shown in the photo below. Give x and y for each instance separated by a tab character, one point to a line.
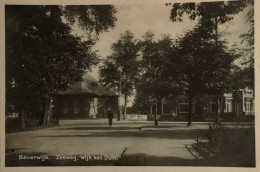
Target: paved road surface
137	140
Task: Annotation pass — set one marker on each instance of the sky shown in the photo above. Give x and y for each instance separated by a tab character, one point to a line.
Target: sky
156	18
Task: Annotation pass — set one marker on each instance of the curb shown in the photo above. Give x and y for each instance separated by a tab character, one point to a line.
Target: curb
195	154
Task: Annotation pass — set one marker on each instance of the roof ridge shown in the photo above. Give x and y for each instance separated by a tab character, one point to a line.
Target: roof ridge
89	85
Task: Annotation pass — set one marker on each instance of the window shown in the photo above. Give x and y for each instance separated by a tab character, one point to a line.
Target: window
184	106
213	105
247	105
228	107
75	106
65	107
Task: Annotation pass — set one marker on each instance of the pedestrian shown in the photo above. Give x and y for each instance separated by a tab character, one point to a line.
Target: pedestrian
173	115
110	116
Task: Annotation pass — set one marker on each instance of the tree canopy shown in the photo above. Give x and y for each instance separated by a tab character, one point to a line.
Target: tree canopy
248	62
210	15
220	12
120	70
153	84
43	56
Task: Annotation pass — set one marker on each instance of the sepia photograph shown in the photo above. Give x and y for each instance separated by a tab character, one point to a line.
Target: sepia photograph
130	84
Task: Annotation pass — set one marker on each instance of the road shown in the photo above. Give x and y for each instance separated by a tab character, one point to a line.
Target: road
126	143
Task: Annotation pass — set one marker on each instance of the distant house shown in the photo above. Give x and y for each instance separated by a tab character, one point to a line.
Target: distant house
238	103
86	99
244	102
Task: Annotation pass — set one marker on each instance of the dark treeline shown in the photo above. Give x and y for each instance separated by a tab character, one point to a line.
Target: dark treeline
43	57
195	63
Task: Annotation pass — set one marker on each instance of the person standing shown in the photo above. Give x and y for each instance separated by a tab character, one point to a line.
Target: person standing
110	116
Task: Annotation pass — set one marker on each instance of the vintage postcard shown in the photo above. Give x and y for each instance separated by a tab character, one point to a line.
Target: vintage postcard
116	85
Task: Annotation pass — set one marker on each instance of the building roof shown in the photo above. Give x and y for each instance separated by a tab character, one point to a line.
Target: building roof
88	86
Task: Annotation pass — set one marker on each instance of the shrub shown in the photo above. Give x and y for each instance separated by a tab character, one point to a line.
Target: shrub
234	146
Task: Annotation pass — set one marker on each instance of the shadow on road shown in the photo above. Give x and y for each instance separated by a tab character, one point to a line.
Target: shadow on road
117	132
98	128
146	160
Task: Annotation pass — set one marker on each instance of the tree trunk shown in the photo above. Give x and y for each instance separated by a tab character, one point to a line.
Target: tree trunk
22	113
216	30
162	106
218	121
119	100
119	109
125	105
151	107
47	116
22	119
156	113
190	110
